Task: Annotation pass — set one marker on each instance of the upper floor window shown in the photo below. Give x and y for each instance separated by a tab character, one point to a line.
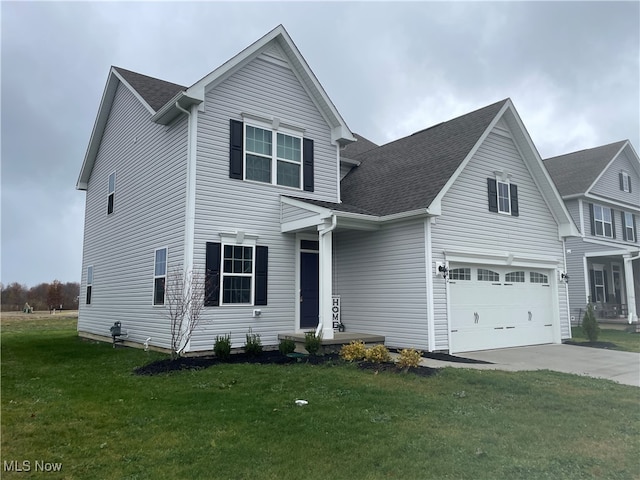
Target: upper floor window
159	276
112	193
629	227
89	283
271	154
625	182
603	221
503	197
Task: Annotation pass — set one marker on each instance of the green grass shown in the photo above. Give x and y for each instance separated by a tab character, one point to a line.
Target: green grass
625	341
77	402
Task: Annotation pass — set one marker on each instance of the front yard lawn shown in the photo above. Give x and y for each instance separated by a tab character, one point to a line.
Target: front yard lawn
622	340
77	403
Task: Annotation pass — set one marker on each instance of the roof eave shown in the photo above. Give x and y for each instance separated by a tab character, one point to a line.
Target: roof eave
174	108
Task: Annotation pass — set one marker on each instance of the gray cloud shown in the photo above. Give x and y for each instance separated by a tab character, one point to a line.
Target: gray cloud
571	68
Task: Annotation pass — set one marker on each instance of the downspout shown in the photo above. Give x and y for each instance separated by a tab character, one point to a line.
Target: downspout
189	229
322	305
566	287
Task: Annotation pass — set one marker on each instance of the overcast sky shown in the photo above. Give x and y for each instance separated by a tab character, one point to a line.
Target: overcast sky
571	69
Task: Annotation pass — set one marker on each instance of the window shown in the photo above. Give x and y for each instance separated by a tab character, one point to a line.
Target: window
625	182
112	193
503	197
460	274
260	158
159	276
89	283
535	277
628	226
603	221
235	274
277	155
488	275
515	277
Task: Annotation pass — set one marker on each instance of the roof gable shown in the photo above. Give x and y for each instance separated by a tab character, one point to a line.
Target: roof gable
409	173
153	91
575	173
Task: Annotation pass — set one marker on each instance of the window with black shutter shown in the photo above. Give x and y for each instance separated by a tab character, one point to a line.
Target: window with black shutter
502	197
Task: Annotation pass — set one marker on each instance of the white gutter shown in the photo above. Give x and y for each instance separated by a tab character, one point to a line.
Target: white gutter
325	283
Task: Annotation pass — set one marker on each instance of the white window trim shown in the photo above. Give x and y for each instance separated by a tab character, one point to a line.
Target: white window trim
508	184
155	277
603	221
111	192
249	243
274	127
89	284
626	181
629	226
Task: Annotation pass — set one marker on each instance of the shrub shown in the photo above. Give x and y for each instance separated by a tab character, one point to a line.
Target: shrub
590	324
222	347
354	351
253	347
377	354
409	357
287	346
312	342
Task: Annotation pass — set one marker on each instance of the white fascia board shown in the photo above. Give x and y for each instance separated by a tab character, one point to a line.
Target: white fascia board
607	167
634	154
170	110
302	224
133	91
104	109
305	206
438	199
348	161
607	201
502	258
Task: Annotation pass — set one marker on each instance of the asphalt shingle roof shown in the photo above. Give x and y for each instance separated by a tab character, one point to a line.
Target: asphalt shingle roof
408	174
155	92
340	207
573	173
356	148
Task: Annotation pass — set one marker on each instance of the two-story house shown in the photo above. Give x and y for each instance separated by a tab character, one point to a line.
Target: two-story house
601	189
449	239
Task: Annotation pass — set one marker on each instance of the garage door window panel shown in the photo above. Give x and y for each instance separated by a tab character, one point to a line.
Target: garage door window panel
535	277
514	277
460	274
485	275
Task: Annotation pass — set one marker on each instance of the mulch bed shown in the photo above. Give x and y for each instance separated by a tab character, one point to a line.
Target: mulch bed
268	358
605	345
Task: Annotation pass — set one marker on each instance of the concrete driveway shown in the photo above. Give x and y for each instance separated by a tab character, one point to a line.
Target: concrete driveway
621	367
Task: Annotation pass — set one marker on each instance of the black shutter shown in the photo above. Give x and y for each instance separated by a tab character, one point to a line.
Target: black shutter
514	200
613	222
212	275
621	177
236	141
592	278
492	192
262	262
593	223
635	229
606	286
624	227
629	184
307	164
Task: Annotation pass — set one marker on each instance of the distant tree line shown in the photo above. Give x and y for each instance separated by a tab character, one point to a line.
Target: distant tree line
45	296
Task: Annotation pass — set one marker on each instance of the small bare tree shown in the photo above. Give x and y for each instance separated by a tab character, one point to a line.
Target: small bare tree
184	300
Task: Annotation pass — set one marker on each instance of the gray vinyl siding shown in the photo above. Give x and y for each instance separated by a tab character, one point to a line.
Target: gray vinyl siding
381	279
573	206
467	224
150	165
291	213
609	183
225	205
618	241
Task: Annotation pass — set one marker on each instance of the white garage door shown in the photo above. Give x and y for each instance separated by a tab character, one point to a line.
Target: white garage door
498	307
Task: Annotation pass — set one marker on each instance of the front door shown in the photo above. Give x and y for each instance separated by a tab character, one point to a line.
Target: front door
309	288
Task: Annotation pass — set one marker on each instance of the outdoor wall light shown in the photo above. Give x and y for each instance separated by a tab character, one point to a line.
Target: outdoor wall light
443	270
564	277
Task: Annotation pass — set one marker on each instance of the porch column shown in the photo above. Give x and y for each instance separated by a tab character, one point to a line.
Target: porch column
629	285
325	324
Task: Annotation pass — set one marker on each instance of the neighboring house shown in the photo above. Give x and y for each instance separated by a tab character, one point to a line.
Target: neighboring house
601	189
450	239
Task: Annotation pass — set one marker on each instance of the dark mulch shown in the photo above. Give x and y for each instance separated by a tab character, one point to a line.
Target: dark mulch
267	358
445	357
605	345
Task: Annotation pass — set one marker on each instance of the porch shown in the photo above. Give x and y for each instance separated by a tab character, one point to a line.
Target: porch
333	345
